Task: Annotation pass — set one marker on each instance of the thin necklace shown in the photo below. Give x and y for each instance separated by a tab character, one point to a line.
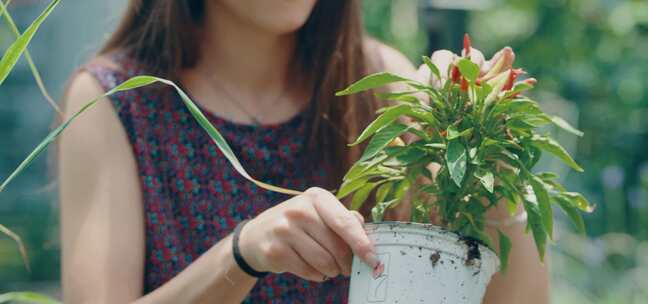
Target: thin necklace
215	84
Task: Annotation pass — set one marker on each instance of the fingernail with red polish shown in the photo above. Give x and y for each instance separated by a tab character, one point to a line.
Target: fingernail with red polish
372	260
378	270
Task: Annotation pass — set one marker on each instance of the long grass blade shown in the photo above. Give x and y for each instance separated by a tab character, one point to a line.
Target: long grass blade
21	245
133	83
26	297
15	50
4	12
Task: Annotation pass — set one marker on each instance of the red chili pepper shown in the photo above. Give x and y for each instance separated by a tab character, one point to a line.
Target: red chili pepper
464	84
530	81
511	79
467	45
455	75
509	82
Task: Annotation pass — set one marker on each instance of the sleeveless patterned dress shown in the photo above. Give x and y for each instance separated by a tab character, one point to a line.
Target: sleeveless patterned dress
192	196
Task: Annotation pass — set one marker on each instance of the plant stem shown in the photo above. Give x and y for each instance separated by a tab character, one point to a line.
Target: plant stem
37	77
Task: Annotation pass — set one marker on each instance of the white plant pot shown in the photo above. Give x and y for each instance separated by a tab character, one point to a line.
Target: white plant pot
423	264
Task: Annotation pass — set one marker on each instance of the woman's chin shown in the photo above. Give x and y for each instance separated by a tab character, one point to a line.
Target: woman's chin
283	23
273	16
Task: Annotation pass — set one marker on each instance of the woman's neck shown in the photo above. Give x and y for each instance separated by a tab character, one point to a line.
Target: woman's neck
245	73
246	56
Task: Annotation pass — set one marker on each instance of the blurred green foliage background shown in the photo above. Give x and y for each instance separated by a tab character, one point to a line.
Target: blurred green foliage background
591	60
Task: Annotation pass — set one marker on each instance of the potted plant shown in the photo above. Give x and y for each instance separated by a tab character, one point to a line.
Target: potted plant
483	132
479	128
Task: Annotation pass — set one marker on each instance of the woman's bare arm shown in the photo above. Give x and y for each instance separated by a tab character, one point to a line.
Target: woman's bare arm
103	222
527	279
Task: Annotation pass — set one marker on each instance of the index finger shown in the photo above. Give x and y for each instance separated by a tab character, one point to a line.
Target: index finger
345	224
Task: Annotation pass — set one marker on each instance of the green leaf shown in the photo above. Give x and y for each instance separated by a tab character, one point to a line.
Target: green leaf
468	69
360	196
420	134
537	228
19	242
401	188
518	106
505	250
410	156
382	121
351	185
220	141
133	83
549	178
571	210
486	178
431	189
371	82
26	297
378	211
383	191
433	68
424	116
565	126
483	91
499	144
511	156
400	96
579	200
420	212
553	147
472	153
361	168
454	133
456	160
545	176
32	66
15	50
355	171
526	122
544	203
511	195
382	138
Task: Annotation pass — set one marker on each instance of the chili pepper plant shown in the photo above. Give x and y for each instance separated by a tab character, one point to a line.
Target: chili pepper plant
483	131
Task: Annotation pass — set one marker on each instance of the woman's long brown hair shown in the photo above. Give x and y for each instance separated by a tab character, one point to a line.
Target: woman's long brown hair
163	36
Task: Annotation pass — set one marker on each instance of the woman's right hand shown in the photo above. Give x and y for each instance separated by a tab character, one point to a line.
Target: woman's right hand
311	235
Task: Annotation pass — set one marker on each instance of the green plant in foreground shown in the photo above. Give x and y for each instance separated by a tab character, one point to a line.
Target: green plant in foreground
26	297
483	133
32	66
8	62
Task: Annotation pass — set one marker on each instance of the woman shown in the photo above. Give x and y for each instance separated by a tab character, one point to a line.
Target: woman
149	204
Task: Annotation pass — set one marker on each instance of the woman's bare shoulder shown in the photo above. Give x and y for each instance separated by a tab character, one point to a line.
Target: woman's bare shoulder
388	59
384	58
98	129
83	84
